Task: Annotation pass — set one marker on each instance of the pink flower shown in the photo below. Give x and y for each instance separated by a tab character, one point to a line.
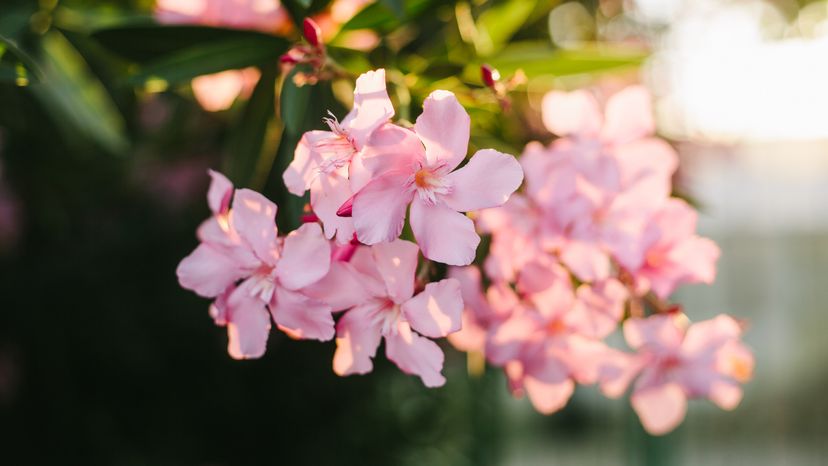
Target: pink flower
218	91
704	360
603	179
674	253
481	311
329	163
262	15
389	309
418	168
249	270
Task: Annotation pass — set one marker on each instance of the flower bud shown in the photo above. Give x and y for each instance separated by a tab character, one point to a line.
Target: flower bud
312	32
490	75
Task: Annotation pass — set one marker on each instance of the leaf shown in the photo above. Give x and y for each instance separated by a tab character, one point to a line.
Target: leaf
294	101
396	6
252	144
76	97
381	15
541	59
211	58
144	43
24	58
499	23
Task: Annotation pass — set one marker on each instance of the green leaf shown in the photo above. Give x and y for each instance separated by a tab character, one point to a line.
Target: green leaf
144	43
211	58
253	139
396	6
499	23
76	97
382	16
11	47
541	59
293	105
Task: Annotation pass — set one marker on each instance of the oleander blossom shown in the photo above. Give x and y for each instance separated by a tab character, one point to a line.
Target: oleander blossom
329	163
376	288
419	167
255	275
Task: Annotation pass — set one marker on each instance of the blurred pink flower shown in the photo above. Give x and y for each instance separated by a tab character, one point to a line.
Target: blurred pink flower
677	363
263	15
244	264
216	92
417	167
381	304
329	163
674	254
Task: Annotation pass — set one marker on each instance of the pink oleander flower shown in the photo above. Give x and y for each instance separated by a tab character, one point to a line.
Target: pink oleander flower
418	168
674	254
677	363
262	15
217	92
552	339
602	179
250	270
329	163
481	310
382	305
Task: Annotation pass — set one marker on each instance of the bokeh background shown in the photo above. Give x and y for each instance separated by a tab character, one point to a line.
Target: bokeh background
104	360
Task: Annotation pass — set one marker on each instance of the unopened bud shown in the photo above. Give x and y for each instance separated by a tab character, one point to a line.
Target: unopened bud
490	75
313	34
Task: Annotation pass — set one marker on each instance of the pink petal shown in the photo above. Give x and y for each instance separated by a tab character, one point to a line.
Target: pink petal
470	337
548	396
586	260
301	316
390	149
305	165
660	332
396	263
219	193
507	338
342	288
443	234
599	308
358	335
208	272
306	257
379	208
328	193
548	286
698	256
372	107
253	217
444	129
629	115
661	408
704	338
436	311
486	181
415	355
616	372
471	289
566	113
725	394
248	325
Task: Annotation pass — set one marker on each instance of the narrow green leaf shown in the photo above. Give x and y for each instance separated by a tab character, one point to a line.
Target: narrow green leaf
75	96
396	6
499	23
383	17
252	144
211	58
293	105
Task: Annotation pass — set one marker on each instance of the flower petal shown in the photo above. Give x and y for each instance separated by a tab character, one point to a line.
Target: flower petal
301	316
629	115
342	288
598	309
486	181
248	325
208	272
436	311
415	355
305	165
306	257
397	263
328	193
219	193
566	113
660	332
379	208
372	107
661	408
253	217
358	334
444	129
391	148
443	234
548	396
586	260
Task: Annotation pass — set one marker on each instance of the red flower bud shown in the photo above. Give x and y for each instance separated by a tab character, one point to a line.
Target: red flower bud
490	75
313	34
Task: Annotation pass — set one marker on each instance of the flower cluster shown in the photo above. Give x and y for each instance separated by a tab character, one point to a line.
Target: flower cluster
595	239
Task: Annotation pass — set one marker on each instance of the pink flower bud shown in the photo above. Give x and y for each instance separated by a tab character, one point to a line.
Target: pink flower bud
312	32
490	75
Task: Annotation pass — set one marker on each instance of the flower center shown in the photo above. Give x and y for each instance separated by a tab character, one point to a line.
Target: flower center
336	150
429	184
263	283
389	317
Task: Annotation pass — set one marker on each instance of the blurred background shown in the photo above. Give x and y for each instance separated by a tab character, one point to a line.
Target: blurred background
111	112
